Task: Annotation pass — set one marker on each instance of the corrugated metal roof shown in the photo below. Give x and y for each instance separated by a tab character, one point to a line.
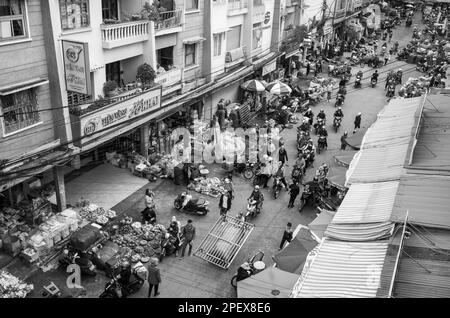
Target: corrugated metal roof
343	269
401	106
367	203
360	232
426	198
389	131
377	165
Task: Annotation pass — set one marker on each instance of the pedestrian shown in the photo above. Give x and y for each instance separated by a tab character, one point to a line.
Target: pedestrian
294	190
329	91
149	199
154	277
282	155
357	122
390	35
224	203
287	235
221	115
228	185
308	69
188	235
319	66
344	141
387	57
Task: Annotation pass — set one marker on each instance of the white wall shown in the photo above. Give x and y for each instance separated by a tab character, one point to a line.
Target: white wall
219	23
267	27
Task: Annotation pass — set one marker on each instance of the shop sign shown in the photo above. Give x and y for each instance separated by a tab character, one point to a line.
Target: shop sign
169	78
328	27
267	17
269	68
121	112
76	67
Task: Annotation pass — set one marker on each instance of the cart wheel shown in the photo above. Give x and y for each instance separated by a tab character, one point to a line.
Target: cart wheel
234	281
248	173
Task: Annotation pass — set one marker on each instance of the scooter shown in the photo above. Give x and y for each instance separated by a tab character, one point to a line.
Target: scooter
321	144
114	289
358	82
247	269
339	101
320	122
252	211
297	174
337	123
194	206
390	91
305	198
277	186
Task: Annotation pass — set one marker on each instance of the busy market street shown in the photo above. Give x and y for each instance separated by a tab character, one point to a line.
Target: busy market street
123	196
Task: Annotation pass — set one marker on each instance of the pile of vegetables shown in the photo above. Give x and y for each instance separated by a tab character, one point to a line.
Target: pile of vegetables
93	213
12	287
209	186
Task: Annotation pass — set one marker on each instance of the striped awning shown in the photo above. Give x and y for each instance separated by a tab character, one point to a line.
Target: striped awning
360	232
344	269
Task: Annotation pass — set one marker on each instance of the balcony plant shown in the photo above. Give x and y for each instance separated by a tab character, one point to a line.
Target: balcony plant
146	74
110	88
152	11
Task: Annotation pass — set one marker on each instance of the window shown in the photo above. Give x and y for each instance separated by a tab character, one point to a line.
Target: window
20	110
258	3
113	72
191	5
189	55
257	36
234	38
164	57
218	39
74	14
74	99
109	10
12	19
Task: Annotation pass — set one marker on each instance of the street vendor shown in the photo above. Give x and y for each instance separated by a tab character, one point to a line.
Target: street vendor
284	116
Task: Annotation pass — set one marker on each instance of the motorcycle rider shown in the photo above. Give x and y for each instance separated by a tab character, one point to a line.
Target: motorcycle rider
280	174
300	162
359	74
323	133
322	115
257	196
187	198
338	114
399	76
309	113
375	76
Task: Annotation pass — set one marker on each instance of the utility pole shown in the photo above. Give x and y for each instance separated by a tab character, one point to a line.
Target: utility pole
332	22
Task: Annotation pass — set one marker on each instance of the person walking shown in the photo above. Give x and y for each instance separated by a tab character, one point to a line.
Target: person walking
329	89
188	235
287	235
308	69
294	190
344	141
228	185
154	277
224	203
357	122
282	155
387	57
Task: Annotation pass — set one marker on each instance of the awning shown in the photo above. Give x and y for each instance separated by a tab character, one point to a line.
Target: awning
194	39
266	59
14	88
270	283
292	53
319	225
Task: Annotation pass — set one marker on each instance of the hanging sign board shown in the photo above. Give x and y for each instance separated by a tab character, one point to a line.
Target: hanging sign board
269	68
76	67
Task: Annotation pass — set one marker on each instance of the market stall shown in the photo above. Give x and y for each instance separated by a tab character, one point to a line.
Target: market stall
13	287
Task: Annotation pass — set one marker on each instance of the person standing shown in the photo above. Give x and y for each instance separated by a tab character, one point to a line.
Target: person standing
221	115
329	89
188	235
357	122
287	235
308	69
294	190
154	277
228	185
344	141
387	57
282	155
224	203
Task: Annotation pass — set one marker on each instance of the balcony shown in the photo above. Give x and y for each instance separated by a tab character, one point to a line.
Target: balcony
237	7
121	34
235	57
169	78
168	22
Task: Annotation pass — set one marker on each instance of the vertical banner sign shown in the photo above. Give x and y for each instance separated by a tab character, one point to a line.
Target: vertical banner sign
76	67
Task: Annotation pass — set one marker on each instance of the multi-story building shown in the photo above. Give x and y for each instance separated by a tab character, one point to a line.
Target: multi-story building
31	141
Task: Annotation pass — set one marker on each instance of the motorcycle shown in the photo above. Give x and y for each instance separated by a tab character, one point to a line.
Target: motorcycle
114	289
358	82
373	82
277	186
194	206
246	169
305	198
253	209
390	91
339	101
258	179
297	174
337	123
71	256
321	144
247	269
320	122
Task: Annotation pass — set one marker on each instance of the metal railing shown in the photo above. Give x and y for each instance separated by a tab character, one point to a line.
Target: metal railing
237	5
126	30
168	19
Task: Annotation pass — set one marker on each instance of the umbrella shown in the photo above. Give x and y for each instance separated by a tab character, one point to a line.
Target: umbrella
278	88
270	283
253	85
355	140
293	256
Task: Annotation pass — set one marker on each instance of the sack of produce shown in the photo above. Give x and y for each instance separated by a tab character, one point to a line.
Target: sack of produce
85	237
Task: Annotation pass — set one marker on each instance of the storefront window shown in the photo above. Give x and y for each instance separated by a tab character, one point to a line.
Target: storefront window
12	19
74	14
20	110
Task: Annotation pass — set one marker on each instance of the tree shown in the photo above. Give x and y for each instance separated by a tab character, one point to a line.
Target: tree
146	74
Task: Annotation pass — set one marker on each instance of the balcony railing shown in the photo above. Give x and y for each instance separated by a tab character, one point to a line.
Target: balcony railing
120	34
168	19
169	78
234	6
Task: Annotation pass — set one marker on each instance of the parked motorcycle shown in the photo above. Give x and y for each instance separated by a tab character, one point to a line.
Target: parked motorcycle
114	288
337	123
277	186
247	269
321	143
194	206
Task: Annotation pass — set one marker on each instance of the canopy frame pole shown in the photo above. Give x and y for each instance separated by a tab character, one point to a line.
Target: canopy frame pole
397	260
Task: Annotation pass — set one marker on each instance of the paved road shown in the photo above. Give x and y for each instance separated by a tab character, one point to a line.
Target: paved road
193	277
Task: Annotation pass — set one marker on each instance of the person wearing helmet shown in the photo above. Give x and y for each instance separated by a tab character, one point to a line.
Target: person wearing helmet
309	114
339	113
323	133
344	141
257	196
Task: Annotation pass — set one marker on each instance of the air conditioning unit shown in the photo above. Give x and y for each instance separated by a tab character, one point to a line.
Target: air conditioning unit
234	55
